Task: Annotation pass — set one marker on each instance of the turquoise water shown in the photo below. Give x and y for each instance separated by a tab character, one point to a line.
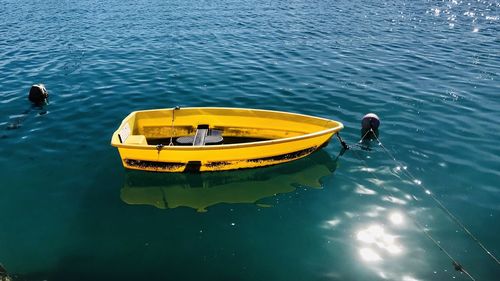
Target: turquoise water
429	69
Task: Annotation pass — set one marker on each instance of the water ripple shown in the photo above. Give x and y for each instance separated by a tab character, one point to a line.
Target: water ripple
429	69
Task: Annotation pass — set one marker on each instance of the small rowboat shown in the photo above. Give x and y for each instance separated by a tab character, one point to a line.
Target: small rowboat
215	139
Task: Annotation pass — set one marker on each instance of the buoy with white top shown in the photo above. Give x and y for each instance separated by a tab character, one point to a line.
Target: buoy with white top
369	126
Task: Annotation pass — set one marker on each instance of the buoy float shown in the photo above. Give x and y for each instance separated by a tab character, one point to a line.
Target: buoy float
369	126
38	94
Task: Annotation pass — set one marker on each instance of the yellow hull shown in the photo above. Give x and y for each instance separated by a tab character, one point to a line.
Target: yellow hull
146	140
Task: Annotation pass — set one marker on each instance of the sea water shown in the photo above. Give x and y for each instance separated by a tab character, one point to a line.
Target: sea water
429	69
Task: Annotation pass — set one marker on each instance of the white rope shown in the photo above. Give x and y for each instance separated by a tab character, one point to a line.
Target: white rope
457	266
172	128
364	136
438	202
455	263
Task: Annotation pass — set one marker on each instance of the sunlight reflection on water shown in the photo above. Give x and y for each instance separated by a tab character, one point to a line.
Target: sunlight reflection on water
378	244
379	240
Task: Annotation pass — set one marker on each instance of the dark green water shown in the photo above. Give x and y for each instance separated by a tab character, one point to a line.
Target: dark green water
430	69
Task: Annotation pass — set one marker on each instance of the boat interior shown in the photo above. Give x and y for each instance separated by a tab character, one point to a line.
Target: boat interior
199	127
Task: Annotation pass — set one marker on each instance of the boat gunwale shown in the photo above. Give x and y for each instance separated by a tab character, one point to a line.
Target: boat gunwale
337	128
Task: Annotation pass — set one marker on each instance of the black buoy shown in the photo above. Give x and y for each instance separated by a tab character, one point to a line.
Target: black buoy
38	94
369	126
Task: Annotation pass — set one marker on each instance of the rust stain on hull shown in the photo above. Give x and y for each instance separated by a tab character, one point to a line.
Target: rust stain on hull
197	166
153	165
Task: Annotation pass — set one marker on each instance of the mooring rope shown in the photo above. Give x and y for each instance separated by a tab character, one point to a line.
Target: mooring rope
455	263
437	201
172	127
366	134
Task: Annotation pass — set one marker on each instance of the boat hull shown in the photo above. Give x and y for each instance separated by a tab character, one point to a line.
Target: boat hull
165	158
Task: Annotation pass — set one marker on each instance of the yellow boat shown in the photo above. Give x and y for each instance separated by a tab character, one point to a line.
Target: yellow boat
216	139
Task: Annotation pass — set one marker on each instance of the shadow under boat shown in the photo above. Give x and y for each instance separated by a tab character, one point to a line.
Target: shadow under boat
202	190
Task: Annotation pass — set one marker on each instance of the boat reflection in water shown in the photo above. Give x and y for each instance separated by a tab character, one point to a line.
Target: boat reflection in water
202	190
